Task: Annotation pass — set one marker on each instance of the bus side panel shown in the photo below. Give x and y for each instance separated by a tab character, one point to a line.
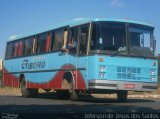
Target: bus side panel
44	80
55	81
8	78
79	73
47	74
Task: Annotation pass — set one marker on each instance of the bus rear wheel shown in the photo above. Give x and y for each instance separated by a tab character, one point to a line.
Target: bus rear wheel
27	92
122	96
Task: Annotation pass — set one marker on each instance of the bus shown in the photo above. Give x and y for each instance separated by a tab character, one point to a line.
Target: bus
92	55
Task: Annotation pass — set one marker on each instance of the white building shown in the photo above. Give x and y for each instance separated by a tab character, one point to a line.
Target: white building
0	64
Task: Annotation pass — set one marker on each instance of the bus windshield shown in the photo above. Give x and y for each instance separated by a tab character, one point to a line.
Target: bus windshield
141	41
110	38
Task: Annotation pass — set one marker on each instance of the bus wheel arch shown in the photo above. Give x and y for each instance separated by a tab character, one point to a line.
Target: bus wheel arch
68	81
21	77
26	92
68	84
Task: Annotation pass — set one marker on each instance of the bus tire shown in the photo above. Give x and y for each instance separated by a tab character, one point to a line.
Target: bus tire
122	96
63	94
47	90
74	96
69	86
27	92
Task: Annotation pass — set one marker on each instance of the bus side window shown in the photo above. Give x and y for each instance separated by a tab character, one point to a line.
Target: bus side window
37	44
48	41
52	40
16	49
10	50
28	46
42	43
20	48
65	34
13	49
73	40
83	39
34	45
23	47
58	40
70	38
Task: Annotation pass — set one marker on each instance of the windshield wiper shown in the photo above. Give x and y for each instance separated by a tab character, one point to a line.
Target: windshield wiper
137	51
120	50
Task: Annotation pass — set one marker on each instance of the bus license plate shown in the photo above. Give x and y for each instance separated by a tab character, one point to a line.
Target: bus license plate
129	86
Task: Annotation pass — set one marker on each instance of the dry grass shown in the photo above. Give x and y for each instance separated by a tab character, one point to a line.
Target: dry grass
10	91
131	94
13	91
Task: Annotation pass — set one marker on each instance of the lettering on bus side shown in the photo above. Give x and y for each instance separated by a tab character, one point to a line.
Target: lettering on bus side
32	65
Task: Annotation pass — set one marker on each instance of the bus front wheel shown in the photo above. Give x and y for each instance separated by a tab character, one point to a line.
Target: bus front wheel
27	92
69	85
63	94
122	96
74	96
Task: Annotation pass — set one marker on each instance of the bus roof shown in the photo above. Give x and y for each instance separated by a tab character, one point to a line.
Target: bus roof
79	21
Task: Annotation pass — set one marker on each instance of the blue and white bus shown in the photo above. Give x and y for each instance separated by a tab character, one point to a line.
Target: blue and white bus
98	55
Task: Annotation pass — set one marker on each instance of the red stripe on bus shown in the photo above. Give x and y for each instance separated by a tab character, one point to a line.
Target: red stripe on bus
54	83
10	79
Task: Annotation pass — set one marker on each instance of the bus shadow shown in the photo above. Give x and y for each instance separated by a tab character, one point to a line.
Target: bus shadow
91	99
74	108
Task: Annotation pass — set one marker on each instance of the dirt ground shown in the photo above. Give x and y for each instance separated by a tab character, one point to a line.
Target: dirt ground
155	94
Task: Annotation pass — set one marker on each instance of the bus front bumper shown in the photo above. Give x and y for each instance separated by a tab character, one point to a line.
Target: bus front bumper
121	85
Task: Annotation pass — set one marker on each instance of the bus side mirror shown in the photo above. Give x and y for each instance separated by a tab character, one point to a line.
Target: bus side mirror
142	39
154	44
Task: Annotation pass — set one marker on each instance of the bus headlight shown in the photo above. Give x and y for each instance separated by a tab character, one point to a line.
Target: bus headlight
101	68
101	75
152	78
152	72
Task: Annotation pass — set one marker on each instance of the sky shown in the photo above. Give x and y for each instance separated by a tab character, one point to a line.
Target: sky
19	17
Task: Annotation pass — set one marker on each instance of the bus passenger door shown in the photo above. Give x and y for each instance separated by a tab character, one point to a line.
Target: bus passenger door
77	44
72	45
82	55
